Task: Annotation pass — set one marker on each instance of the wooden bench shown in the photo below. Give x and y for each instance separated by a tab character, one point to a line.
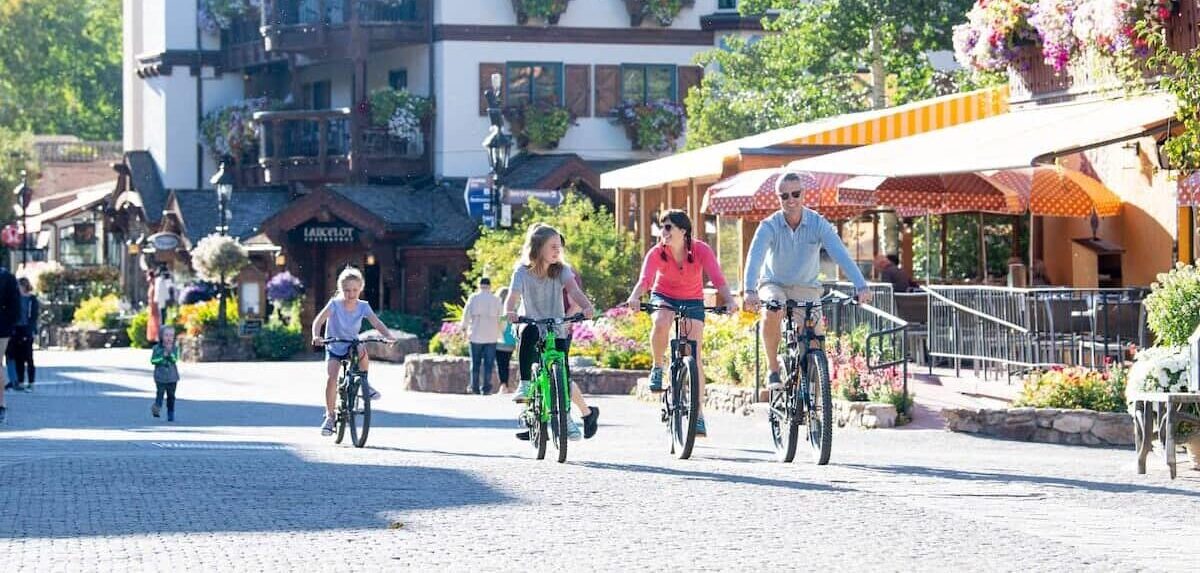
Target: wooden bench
1156	416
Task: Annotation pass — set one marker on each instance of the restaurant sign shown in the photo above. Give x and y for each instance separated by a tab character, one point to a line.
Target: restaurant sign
326	233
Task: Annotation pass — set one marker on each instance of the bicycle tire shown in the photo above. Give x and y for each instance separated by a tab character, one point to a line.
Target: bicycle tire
785	428
685	388
534	422
820	414
559	410
361	396
340	422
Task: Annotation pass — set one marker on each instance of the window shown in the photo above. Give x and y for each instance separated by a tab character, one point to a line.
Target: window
646	83
320	95
534	82
726	4
398	79
76	249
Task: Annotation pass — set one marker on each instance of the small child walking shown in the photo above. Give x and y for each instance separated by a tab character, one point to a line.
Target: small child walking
166	374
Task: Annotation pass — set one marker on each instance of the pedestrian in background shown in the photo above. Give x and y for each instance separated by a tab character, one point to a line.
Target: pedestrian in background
164	292
481	319
164	357
10	303
20	348
505	346
153	322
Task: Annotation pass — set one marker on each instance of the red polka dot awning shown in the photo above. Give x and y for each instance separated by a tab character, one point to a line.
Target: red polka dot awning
751	195
1189	190
1052	191
939	194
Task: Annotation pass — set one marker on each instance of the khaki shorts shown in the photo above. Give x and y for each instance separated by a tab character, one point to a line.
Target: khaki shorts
799	293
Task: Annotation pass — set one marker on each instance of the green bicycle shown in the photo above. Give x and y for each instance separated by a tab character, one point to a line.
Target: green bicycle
547	411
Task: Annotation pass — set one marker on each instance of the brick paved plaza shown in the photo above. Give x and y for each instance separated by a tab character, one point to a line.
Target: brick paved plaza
244	482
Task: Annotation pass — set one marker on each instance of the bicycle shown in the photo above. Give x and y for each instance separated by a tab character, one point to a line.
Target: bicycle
806	397
681	403
354	397
548	407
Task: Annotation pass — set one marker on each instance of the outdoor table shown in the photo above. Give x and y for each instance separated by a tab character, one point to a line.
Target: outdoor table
1156	415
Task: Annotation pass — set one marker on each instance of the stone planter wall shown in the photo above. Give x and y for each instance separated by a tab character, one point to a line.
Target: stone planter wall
448	375
868	415
717	397
87	339
205	349
405	345
1047	425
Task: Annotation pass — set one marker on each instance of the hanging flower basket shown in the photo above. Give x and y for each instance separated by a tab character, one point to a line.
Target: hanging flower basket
548	10
988	41
655	126
399	111
1052	20
540	125
230	131
663	12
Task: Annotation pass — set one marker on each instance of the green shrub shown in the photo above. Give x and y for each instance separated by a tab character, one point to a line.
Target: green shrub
1173	306
98	312
278	342
1075	388
201	318
137	329
396	320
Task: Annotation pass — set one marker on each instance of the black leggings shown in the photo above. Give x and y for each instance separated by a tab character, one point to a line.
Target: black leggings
527	354
20	353
503	357
169	390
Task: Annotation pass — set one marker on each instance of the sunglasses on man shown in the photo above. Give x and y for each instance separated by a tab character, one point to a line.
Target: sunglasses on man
793	194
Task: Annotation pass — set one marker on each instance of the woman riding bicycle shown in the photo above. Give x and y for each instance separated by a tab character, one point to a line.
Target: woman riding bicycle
673	271
342	318
537	287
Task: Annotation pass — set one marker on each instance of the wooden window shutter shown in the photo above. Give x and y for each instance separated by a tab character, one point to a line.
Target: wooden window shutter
485	82
687	78
578	89
608	89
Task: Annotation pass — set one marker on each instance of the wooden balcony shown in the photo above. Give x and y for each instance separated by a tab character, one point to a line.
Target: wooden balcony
326	146
333	29
1030	79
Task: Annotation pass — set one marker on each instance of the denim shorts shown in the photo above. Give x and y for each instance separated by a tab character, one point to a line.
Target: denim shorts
694	308
330	355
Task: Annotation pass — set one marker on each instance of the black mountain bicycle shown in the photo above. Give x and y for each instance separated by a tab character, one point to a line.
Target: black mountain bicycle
681	402
806	397
354	395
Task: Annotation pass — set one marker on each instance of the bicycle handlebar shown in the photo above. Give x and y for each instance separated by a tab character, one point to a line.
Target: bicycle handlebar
356	340
577	317
651	307
838	298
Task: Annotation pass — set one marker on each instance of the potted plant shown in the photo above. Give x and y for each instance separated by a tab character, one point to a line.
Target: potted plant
400	113
231	131
219	14
548	10
539	125
662	11
994	31
654	126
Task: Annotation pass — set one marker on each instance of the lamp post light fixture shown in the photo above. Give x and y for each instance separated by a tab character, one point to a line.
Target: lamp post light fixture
223	182
24	196
498	145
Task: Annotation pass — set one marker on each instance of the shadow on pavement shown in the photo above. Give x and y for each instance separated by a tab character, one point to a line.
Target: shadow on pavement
710	476
217	487
975	476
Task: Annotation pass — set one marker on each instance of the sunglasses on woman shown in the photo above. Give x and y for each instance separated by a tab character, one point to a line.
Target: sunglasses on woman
793	194
667	227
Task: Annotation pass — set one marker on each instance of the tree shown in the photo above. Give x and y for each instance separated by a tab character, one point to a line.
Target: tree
60	69
16	154
608	260
807	66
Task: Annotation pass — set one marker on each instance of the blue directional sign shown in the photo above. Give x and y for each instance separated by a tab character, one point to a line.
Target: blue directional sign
552	197
478	196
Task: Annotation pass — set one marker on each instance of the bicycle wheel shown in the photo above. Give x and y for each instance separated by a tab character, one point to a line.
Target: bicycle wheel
341	412
358	410
534	420
820	406
784	414
559	410
685	390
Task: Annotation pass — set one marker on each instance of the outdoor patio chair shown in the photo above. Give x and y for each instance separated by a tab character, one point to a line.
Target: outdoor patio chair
914	309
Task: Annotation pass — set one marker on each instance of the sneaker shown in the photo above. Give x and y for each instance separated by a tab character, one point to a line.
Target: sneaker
373	393
701	430
3	415
327	426
155	409
656	376
28	388
774	382
170	416
573	432
589	422
8	386
522	393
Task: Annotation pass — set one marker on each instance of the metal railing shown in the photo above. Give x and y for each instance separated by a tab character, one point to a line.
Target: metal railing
330	12
78	151
304	134
1012	329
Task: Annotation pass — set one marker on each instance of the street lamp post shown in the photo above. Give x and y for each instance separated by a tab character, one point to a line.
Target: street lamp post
498	145
24	195
223	182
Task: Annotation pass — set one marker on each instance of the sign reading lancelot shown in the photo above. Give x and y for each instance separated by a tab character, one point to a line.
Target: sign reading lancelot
327	233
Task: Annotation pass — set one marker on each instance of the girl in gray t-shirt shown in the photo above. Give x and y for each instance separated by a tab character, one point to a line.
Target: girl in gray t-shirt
536	292
342	318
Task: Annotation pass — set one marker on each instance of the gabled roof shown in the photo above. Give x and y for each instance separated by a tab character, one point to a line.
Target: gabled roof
249	208
143	173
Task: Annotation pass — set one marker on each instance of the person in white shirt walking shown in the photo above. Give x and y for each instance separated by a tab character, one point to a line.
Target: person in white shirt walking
481	319
164	289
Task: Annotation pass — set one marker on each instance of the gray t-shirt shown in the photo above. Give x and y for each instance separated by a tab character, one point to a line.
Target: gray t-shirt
541	297
345	324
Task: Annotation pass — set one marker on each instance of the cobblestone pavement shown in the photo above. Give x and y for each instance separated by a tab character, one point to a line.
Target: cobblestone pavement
244	482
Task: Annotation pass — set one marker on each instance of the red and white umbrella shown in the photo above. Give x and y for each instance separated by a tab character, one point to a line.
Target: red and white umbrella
751	195
940	194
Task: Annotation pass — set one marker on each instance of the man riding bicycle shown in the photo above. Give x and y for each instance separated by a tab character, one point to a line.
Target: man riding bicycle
785	260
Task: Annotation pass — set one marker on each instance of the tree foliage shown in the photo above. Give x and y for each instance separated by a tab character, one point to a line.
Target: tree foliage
60	69
962	245
606	259
811	63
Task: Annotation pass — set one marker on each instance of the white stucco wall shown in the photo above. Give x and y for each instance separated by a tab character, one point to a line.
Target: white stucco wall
339	74
581	13
415	59
170	128
460	128
131	85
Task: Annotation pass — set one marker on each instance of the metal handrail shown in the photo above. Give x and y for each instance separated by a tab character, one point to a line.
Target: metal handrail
982	315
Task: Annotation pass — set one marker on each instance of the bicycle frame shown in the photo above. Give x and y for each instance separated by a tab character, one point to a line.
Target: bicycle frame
549	355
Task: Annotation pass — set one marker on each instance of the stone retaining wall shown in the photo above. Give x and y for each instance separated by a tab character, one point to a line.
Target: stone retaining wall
1047	425
206	349
87	339
405	345
739	400
869	415
448	375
